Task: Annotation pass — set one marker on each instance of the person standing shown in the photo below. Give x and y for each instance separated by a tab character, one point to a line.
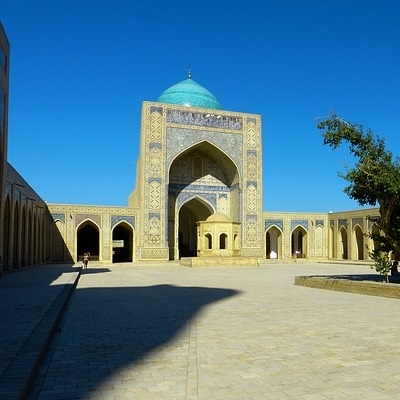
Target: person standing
85	260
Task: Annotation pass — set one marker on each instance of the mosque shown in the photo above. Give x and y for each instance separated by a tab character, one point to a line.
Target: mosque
197	198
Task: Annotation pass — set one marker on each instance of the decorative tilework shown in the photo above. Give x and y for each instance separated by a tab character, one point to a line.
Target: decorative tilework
177	187
251	231
179	139
154	253
356	221
154	229
156	109
343	222
58	216
319	222
155	195
158	180
130	219
299	222
184	196
204	119
372	221
7	188
251	133
156	126
273	222
79	218
251	183
251	197
154	161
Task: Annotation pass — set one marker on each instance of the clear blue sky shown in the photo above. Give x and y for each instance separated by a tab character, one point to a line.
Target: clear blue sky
80	70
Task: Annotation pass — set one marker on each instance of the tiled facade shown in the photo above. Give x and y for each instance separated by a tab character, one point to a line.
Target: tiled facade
198	162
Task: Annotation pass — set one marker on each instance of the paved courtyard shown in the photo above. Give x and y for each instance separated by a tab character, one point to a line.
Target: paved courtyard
170	332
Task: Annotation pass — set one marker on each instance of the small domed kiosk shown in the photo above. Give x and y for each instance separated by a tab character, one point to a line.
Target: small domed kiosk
218	237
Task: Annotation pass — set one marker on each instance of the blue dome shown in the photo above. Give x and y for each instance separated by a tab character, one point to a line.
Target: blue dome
191	94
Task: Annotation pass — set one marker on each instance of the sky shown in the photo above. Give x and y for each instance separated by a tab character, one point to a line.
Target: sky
80	70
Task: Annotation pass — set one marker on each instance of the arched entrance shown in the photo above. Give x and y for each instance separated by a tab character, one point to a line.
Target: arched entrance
23	239
191	212
6	234
343	244
374	232
359	243
16	238
273	243
202	180
88	241
299	242
122	238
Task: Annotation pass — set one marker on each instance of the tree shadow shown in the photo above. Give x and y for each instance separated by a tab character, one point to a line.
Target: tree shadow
361	277
109	329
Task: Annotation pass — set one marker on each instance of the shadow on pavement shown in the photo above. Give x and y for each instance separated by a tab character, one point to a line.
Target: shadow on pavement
109	329
361	277
356	277
94	270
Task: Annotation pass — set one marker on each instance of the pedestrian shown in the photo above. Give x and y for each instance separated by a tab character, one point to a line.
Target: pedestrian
85	260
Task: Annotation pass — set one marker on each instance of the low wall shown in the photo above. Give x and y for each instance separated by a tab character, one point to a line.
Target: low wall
220	262
373	286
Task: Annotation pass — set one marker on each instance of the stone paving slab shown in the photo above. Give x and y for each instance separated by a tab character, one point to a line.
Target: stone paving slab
31	303
170	332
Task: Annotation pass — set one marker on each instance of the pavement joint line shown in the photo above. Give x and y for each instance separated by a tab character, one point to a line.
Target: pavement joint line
16	379
192	370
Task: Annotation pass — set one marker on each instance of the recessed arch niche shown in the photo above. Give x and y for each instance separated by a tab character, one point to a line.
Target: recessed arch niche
122	239
88	240
202	180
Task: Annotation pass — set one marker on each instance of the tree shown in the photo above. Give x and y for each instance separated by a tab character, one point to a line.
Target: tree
373	180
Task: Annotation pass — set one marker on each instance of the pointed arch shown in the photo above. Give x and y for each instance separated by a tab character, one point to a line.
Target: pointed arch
24	238
299	241
202	180
206	149
122	242
30	234
331	241
208	243
343	243
319	241
273	242
223	238
6	233
88	240
16	237
372	245
189	213
358	242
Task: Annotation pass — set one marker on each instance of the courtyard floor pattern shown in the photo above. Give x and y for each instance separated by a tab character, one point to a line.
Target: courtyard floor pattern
170	332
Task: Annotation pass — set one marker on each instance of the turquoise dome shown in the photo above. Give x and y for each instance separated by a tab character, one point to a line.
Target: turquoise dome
191	94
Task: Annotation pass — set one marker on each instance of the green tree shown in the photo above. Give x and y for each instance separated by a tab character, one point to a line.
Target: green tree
374	179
